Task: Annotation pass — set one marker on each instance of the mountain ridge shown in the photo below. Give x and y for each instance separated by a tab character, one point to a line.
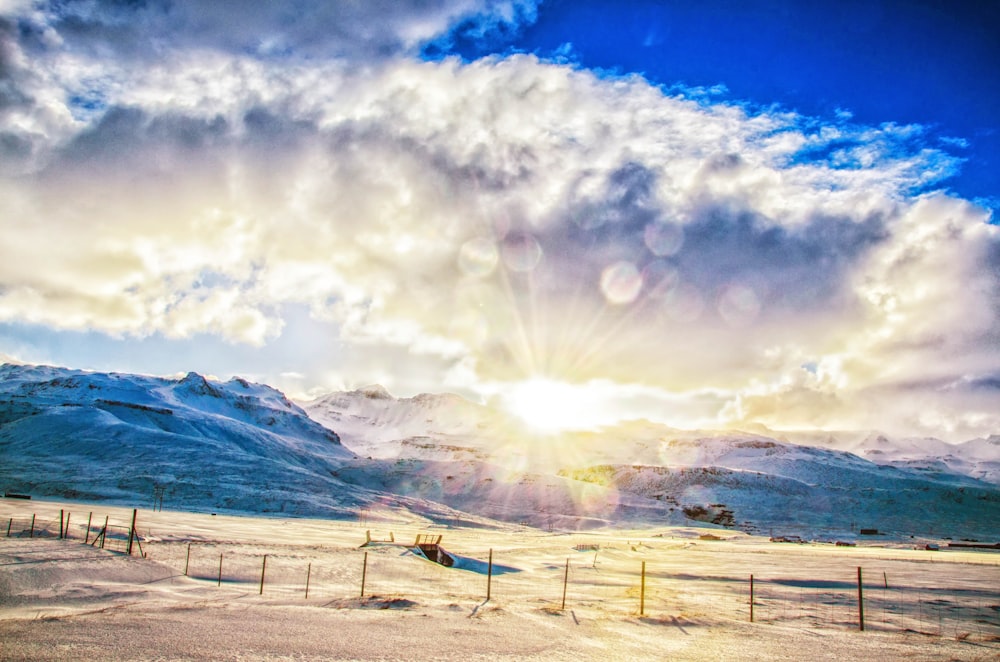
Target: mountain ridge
246	447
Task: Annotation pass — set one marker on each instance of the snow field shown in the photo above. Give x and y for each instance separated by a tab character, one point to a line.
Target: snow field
694	588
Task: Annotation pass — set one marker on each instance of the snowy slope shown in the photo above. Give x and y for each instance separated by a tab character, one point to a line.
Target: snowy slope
757	483
232	445
373	423
244	447
978	458
537	499
756	501
463	455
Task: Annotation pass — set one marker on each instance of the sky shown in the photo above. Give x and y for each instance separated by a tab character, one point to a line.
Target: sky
710	214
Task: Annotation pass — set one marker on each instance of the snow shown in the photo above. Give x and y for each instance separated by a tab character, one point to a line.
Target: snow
63	600
238	447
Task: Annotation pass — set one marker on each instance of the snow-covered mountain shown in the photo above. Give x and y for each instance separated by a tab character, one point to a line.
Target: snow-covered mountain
469	456
428	426
245	447
978	458
232	445
760	484
373	423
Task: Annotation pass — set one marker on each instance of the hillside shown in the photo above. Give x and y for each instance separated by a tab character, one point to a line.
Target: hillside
471	457
232	445
243	447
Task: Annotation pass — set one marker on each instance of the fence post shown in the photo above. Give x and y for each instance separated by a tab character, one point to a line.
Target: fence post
131	531
104	532
642	591
187	561
263	569
66	535
751	598
565	581
364	574
9	524
489	576
31	533
308	575
220	570
60	523
87	538
861	603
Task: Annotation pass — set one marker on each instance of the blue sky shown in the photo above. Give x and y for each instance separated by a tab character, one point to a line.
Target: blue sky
926	63
708	214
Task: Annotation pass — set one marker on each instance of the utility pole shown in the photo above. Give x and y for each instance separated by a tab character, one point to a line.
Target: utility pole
158	491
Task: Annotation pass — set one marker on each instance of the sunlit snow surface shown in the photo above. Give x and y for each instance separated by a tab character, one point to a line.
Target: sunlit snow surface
64	600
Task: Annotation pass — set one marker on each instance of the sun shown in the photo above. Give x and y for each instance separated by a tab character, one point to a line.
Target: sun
550	406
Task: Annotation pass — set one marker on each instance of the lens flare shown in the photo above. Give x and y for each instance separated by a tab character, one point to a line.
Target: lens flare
521	252
738	305
478	257
621	283
663	239
659	278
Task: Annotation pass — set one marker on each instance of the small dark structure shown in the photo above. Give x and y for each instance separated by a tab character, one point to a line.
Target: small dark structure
869	532
430	547
15	495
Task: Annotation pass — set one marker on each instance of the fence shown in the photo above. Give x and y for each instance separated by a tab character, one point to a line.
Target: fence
948	600
667	581
120	538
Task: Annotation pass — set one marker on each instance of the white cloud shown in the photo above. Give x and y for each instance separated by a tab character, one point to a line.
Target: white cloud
493	220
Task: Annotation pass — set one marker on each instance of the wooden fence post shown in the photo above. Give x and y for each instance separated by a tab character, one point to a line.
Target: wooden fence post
751	598
565	581
131	531
364	574
861	603
87	537
308	575
104	532
263	569
31	533
66	535
9	524
642	591
60	523
220	570
187	561
489	576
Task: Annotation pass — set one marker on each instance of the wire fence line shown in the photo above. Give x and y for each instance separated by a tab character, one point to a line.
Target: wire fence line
99	532
939	599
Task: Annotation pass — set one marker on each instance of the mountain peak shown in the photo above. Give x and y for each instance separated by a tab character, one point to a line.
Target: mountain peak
197	385
375	392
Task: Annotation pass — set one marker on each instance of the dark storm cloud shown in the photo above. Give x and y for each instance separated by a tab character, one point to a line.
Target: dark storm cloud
800	266
623	205
145	141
